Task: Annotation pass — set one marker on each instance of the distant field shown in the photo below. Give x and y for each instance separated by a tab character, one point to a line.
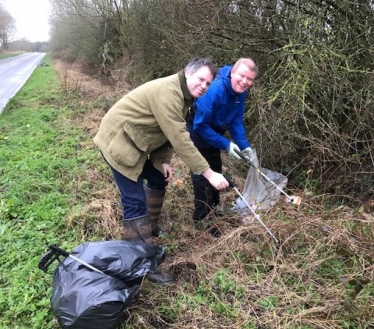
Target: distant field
6	54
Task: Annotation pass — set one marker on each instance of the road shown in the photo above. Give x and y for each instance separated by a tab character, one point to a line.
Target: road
14	72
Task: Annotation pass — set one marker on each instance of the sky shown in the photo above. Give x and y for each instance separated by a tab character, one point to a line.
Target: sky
31	18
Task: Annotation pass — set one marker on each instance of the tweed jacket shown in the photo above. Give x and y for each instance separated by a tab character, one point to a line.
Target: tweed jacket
142	122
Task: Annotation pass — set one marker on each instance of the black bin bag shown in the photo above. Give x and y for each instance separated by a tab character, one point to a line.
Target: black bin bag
86	299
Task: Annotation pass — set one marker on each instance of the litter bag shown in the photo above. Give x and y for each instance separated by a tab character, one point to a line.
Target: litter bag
83	298
258	191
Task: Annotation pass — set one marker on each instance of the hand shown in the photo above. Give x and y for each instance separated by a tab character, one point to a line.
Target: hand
249	154
217	180
168	172
231	150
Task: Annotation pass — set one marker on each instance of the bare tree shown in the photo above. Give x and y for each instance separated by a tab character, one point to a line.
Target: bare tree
92	30
7	27
311	109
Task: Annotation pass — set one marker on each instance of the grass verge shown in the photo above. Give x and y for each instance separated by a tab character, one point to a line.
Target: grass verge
42	184
55	188
7	54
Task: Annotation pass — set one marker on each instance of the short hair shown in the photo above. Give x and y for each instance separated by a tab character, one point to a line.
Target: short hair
198	62
248	62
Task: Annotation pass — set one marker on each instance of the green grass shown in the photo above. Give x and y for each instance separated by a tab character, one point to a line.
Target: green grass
7	54
40	165
321	277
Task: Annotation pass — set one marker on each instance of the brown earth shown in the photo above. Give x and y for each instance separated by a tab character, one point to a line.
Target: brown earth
292	275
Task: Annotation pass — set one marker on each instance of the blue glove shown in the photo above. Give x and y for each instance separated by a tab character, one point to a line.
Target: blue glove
231	150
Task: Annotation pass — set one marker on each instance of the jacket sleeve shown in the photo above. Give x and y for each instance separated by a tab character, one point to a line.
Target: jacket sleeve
237	130
168	114
205	110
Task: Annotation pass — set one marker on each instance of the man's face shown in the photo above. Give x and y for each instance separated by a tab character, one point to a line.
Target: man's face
242	78
198	82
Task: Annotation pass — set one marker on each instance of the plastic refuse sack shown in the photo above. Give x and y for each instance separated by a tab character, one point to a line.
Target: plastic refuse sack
258	191
83	298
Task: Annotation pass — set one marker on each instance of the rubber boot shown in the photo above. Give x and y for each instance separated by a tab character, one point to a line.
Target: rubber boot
140	229
155	201
160	278
203	200
206	198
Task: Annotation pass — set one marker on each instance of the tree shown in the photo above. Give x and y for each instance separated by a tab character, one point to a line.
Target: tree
92	30
7	27
312	105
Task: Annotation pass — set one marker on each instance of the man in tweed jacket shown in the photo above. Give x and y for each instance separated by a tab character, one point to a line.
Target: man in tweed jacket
137	138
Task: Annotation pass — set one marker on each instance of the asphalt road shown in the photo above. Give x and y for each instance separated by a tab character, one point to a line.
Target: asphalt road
14	72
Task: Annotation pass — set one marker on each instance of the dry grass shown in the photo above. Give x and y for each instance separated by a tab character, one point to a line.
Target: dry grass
307	283
320	277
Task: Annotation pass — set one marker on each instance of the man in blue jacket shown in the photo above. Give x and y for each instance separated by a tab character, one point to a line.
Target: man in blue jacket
219	110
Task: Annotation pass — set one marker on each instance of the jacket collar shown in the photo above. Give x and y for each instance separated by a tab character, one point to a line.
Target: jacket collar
225	74
182	78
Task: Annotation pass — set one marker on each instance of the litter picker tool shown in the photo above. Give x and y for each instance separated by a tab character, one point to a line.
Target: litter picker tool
293	199
255	215
54	254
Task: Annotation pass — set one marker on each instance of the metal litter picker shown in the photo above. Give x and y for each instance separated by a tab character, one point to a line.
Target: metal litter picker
255	215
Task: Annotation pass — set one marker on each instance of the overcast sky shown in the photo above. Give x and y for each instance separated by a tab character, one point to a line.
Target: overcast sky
31	17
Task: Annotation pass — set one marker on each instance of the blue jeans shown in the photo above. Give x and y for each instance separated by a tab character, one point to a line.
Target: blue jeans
133	198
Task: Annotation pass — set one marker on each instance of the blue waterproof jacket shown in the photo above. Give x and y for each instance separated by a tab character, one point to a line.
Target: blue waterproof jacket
219	110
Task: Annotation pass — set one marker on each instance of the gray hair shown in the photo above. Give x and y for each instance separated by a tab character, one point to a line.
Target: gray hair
198	62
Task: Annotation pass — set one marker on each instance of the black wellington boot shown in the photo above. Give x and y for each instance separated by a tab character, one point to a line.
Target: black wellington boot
205	199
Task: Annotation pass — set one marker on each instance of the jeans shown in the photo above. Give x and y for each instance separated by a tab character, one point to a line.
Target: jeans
133	197
206	196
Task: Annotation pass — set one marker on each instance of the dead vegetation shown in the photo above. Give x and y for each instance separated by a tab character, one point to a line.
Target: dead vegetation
320	277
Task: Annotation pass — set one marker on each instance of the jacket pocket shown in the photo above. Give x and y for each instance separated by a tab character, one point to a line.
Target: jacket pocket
137	137
124	150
